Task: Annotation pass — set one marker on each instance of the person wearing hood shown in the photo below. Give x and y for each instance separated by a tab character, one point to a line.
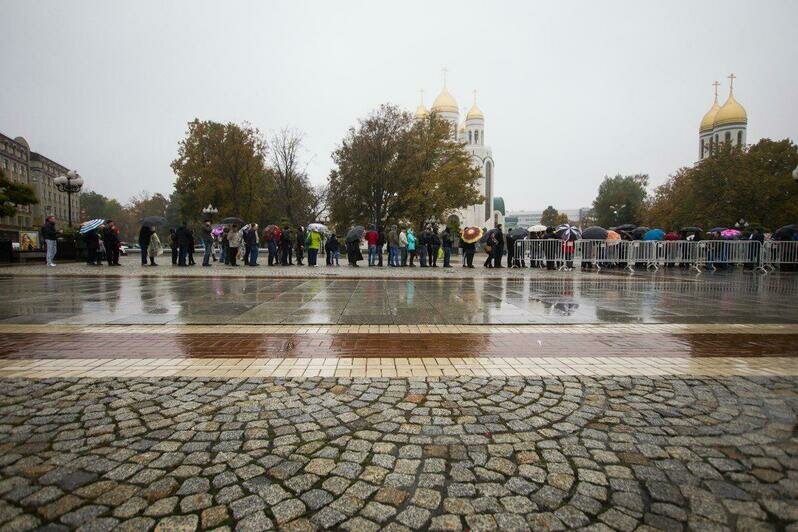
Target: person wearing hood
331	250
154	248
403	247
411	245
353	252
313	242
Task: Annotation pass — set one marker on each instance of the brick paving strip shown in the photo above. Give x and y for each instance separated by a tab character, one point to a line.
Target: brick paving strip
476	453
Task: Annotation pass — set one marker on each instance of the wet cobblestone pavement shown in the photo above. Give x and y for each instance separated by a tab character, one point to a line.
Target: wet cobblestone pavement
399	454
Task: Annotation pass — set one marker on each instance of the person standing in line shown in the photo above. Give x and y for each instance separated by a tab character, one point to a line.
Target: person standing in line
92	247
183	241
234	239
50	236
314	243
145	233
423	247
353	252
499	249
271	247
371	240
411	246
300	245
393	247
446	243
468	254
403	247
285	244
190	249
247	247
206	235
381	241
154	248
255	243
490	249
331	249
434	246
111	241
173	244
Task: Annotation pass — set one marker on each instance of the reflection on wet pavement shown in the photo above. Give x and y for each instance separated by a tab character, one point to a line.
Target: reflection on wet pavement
735	298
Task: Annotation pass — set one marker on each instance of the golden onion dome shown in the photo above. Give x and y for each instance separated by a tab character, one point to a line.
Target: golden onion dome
445	103
475	113
421	111
731	113
708	122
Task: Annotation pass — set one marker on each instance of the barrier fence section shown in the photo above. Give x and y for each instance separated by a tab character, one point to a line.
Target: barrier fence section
777	253
704	254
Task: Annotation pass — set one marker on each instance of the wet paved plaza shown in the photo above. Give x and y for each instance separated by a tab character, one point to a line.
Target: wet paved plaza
649	298
544	402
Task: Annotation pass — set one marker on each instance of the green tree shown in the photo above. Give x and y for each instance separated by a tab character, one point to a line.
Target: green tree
391	168
98	206
562	218
749	182
222	164
13	195
621	199
550	217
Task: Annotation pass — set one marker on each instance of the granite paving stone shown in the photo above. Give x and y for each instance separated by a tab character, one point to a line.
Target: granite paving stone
555	453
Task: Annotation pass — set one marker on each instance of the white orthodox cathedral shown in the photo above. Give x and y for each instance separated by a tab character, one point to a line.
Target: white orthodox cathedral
727	123
470	131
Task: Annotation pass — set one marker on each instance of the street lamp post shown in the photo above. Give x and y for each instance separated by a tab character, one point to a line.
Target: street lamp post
615	209
71	183
209	211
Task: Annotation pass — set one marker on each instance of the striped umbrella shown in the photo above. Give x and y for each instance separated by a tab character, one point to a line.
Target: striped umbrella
91	225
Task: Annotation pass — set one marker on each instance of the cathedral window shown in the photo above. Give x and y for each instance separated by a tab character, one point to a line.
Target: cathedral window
488	188
739	138
476	137
703	149
469	136
728	137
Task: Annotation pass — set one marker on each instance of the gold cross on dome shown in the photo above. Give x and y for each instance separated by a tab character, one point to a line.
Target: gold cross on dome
716	84
444	70
731	81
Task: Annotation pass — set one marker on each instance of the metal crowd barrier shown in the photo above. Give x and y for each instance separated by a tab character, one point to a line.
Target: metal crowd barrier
776	254
704	254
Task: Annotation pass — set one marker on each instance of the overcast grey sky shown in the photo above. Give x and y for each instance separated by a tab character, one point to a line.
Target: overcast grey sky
571	91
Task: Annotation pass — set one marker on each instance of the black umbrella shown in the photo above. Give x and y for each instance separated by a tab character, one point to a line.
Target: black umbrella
152	220
625	235
594	233
640	232
692	229
355	234
626	227
716	229
230	220
518	233
785	233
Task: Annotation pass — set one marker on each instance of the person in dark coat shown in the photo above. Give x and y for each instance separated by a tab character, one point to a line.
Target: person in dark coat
190	248
173	245
499	250
286	243
111	243
145	235
183	241
468	253
490	248
446	243
206	236
92	246
331	250
300	245
382	239
353	253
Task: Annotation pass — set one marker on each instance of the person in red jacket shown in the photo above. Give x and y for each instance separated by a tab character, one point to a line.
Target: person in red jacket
372	237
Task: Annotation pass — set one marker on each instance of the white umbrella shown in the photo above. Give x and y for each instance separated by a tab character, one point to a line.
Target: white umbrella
91	225
539	228
319	228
